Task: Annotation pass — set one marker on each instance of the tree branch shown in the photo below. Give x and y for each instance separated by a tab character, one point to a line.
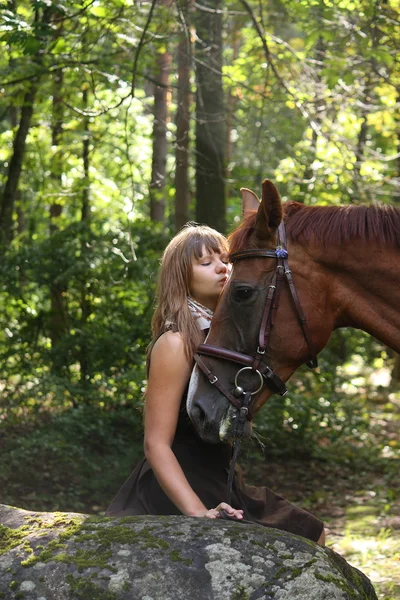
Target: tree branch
139	48
268	57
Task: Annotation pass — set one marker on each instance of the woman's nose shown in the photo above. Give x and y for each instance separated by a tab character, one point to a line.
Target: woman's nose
221	266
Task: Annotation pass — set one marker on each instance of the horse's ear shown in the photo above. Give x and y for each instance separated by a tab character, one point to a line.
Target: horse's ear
250	202
269	213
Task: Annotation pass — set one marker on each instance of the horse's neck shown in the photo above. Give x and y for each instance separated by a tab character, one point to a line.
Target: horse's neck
366	289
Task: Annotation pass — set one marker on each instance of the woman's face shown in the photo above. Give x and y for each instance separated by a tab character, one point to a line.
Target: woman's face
209	274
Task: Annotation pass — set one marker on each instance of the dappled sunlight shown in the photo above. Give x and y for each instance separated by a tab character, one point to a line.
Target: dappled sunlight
378	557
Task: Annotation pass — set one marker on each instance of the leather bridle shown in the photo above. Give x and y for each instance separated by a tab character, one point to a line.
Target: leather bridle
239	397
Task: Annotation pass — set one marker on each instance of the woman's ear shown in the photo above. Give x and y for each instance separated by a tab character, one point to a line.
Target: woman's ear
269	214
250	202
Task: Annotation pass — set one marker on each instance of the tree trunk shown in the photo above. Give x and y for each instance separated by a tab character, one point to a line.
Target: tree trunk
85	304
182	190
15	166
58	309
231	107
375	34
210	116
10	192
158	167
395	378
395	375
307	185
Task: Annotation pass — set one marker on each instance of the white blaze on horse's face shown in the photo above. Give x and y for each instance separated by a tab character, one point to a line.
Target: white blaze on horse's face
226	423
221	424
221	415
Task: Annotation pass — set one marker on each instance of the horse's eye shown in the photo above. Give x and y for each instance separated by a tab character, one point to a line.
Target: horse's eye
241	294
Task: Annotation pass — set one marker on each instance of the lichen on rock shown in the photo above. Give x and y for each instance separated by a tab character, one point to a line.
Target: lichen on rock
56	556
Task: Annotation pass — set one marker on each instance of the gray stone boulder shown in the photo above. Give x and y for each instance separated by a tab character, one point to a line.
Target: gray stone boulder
66	556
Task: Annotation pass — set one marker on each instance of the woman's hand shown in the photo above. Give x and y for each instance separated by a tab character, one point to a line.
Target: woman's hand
215	513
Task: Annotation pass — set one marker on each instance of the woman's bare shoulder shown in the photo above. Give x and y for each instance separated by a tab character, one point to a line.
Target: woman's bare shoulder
169	348
171	340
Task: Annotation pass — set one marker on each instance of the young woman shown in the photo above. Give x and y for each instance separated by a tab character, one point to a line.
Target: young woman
180	473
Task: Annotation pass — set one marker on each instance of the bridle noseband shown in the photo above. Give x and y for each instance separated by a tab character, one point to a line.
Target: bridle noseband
239	397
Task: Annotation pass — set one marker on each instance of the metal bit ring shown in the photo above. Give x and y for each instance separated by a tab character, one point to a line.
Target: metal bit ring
250	369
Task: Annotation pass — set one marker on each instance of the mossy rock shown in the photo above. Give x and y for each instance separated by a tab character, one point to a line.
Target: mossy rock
57	556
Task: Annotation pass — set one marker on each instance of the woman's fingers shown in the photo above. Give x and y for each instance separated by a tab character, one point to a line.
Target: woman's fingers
215	513
235	513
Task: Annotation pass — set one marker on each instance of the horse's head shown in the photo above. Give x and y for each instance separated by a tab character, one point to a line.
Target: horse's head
241	315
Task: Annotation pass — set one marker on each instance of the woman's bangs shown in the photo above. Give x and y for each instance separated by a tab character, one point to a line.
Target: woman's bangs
211	242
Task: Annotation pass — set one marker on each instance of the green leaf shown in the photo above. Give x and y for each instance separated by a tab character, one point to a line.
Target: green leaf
98	11
31	45
59	47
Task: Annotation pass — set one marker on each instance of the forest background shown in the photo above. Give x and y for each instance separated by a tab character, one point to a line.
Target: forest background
120	121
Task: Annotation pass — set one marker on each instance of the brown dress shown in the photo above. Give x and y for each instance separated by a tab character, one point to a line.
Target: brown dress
206	468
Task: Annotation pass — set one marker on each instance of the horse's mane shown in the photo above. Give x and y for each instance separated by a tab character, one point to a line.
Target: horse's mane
329	224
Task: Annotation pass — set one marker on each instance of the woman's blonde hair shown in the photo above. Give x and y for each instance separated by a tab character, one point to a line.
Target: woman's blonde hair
173	285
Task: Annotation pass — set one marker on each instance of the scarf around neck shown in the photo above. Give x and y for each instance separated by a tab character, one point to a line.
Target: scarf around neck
201	314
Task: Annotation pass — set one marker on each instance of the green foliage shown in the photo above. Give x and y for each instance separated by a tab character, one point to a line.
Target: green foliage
111	339
327	413
73	459
322	91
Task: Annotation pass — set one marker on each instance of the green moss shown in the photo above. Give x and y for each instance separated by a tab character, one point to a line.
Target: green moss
281	571
34	521
340	583
13	585
124	535
176	556
127	520
297	571
84	589
73	528
84	559
10	538
45	555
119	534
88	530
143	564
84	537
2	595
97	520
157	543
19	596
240	593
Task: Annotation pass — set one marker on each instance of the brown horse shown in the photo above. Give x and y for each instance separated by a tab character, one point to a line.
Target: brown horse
345	264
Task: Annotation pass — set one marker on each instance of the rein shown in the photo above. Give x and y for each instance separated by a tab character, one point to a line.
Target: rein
240	398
